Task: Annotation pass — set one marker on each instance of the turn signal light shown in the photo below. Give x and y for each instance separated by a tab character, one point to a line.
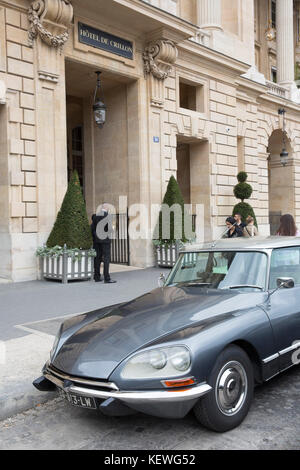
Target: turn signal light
179	382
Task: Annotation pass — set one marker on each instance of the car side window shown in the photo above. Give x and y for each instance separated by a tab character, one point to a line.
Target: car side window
285	262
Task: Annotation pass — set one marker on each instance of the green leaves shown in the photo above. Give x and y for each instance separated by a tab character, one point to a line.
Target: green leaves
171	224
243	191
57	251
72	226
245	210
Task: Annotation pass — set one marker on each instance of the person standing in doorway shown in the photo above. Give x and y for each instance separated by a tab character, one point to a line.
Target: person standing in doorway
101	232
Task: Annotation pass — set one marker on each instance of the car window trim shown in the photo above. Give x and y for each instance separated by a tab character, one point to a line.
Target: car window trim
276	249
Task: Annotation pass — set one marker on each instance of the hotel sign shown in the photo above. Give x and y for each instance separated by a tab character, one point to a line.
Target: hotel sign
102	40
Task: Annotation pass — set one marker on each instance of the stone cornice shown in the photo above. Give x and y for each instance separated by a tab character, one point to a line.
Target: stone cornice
16	5
183	28
211	58
48	17
251	89
280	102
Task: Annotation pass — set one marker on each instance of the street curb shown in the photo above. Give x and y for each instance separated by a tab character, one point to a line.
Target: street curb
11	406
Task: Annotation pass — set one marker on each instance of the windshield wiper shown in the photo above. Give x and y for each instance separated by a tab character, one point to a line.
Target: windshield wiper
243	285
195	283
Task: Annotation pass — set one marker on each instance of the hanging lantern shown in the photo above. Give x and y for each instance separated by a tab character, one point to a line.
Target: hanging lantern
99	107
270	33
283	157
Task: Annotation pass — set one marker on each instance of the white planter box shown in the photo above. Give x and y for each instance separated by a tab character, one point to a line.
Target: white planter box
166	255
66	269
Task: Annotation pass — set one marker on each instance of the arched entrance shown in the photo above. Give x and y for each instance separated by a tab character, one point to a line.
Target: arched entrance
281	181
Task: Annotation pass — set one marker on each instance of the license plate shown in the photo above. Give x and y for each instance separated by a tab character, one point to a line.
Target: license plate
79	400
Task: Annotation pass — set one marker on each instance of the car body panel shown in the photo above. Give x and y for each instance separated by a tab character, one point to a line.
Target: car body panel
129	327
284	313
249	326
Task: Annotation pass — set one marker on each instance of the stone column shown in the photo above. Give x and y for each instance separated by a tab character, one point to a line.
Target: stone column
253	73
49	23
285	42
209	14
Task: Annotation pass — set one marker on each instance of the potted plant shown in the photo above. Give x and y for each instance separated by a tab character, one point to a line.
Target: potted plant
166	248
243	191
68	253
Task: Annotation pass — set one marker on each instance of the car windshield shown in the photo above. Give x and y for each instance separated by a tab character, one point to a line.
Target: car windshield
244	270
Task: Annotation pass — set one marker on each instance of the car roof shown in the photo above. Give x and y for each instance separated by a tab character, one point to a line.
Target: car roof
243	243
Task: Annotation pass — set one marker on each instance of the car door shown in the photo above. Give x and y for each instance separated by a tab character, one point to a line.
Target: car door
284	304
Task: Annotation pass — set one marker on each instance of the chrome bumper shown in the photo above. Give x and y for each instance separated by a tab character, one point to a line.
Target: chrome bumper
128	397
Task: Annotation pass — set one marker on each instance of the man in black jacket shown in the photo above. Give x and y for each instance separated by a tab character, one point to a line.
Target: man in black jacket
101	232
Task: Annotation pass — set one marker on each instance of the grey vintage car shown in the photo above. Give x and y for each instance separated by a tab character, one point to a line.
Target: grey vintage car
226	318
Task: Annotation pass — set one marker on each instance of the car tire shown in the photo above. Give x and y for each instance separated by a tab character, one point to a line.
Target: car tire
232	382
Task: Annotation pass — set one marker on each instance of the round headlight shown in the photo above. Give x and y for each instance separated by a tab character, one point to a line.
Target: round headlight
181	361
162	362
158	359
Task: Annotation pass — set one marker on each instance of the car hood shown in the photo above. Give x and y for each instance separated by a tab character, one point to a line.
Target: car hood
99	342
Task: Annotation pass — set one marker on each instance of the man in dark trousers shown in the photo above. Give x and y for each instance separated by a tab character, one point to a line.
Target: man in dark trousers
101	231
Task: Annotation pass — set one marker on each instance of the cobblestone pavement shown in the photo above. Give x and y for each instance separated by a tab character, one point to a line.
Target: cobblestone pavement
272	423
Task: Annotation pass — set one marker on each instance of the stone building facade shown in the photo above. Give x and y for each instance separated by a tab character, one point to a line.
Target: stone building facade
192	88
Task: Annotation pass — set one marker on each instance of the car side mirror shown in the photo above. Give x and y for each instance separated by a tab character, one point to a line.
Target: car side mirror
286	282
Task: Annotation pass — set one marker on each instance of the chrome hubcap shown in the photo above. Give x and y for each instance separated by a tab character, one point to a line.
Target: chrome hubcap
231	388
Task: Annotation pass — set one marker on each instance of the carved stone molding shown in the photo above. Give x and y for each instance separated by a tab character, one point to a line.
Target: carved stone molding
49	77
47	17
159	57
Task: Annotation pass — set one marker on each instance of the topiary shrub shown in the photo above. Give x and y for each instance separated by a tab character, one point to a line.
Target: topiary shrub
243	191
173	196
72	227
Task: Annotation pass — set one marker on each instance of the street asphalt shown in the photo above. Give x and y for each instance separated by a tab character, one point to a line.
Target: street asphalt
273	423
30	315
27	302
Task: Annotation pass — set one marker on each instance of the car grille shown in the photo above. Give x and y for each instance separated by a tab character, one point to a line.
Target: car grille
84	382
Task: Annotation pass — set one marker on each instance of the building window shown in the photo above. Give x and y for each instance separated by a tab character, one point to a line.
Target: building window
191	96
273	13
274	74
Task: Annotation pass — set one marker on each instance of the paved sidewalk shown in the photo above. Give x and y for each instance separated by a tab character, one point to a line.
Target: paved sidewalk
30	315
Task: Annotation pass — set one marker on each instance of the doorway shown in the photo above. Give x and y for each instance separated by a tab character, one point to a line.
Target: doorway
106	159
281	181
193	177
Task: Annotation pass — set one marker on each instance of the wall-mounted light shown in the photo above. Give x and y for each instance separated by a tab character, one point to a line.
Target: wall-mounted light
284	153
99	107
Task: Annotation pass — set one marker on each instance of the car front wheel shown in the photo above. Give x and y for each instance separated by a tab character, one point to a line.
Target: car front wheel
228	403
